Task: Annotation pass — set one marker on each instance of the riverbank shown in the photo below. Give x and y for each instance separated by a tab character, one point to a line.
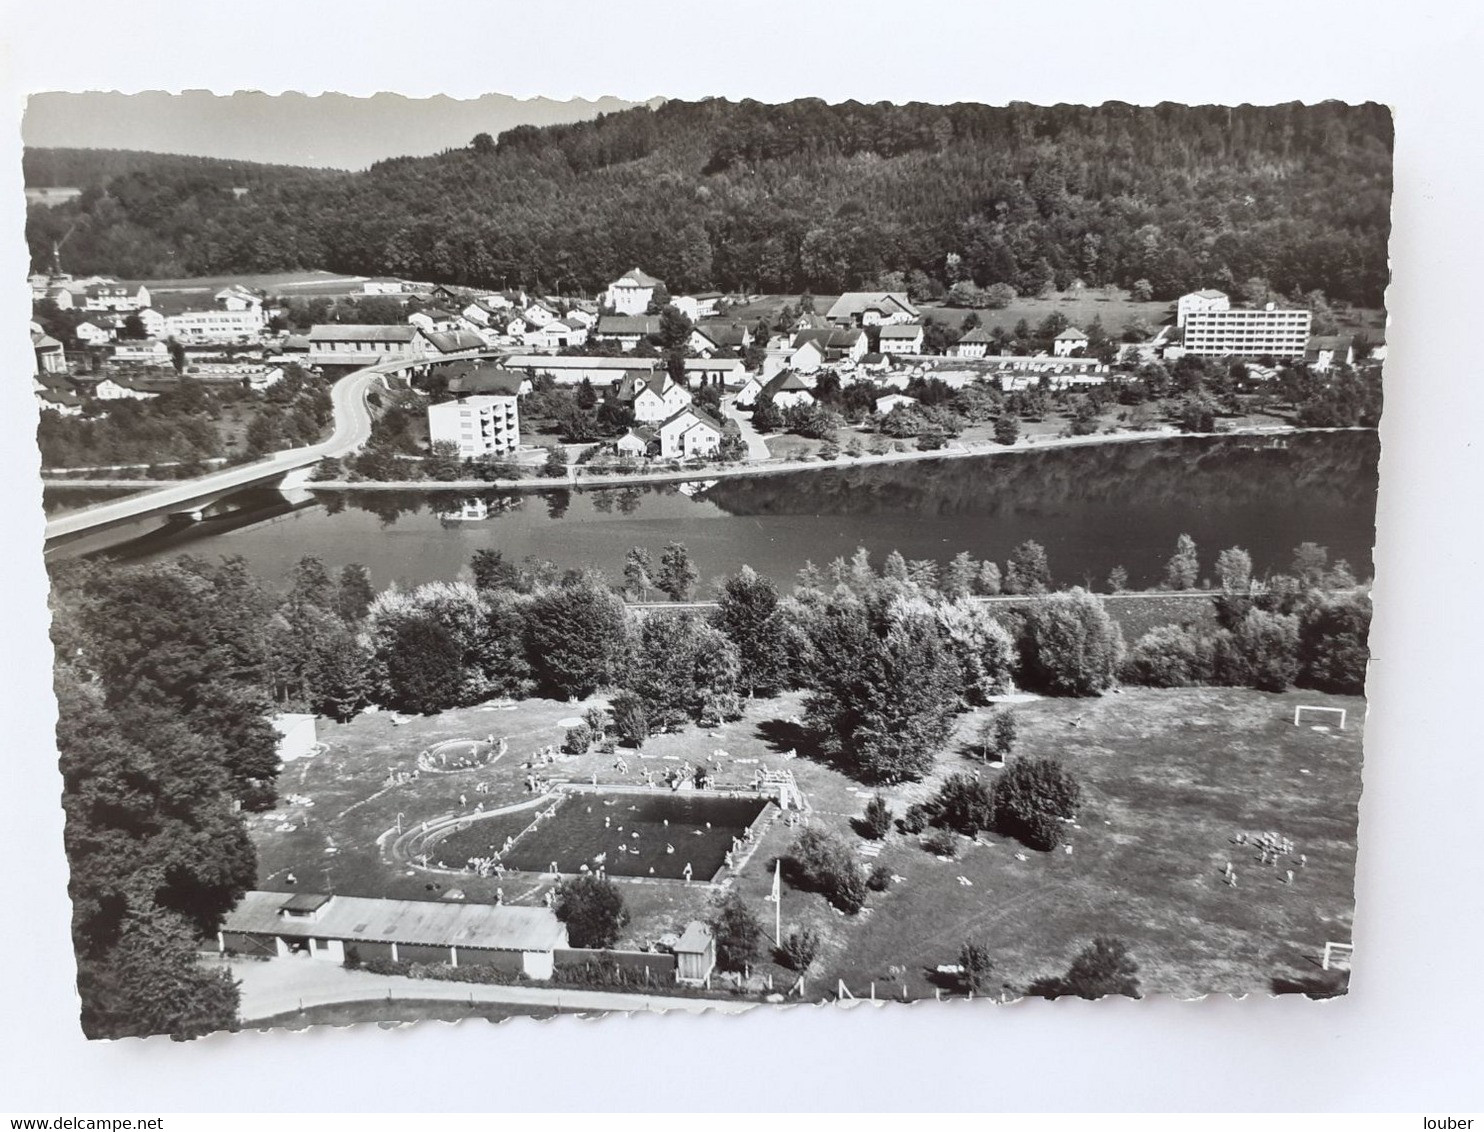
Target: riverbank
711	472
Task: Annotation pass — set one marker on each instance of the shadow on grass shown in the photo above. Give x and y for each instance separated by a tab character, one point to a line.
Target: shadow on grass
786	735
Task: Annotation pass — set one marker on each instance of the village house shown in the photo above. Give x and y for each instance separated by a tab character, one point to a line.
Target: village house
121	387
507	937
443	343
1068	343
353	344
153	321
696	307
61	401
786	390
901	338
114	296
238	298
747	396
975	344
95	332
482	312
631	293
627	330
51	356
431	319
654	396
556	334
635	443
578	316
61	296
708	338
892	401
837	344
872	308
484	377
540	313
1329	350
146	351
690	432
1200	301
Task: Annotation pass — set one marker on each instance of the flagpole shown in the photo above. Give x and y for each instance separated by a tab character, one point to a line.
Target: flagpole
778	903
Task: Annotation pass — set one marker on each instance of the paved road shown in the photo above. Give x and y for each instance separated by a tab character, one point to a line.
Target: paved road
352	427
278	986
757	447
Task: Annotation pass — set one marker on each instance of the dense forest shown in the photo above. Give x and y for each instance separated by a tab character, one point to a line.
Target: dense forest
783	198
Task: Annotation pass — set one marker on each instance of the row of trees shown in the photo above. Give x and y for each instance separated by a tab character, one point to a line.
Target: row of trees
776	198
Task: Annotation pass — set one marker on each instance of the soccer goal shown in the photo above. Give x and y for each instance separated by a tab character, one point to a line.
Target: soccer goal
1338	955
1325	715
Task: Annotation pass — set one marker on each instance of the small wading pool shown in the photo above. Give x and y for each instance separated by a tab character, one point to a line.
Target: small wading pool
587	825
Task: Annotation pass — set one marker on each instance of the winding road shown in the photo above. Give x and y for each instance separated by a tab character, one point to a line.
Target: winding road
352	428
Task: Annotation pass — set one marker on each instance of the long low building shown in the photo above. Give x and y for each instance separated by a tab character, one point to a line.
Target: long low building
513	939
570	369
361	345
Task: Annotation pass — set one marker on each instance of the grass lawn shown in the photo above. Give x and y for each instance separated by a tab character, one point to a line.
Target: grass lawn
398	1011
1169	777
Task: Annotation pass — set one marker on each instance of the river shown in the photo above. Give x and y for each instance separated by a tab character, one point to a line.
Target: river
1093	508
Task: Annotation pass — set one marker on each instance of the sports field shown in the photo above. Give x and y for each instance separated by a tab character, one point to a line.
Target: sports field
1170	779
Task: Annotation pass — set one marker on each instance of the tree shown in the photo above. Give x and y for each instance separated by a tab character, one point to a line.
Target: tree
424	667
995	739
577	638
747	612
737	933
1333	651
354	593
630	718
820	862
684	670
587	396
1171	656
1102	968
988	583
555	466
593	909
675	330
965	804
1310	564
1006	429
678	574
492	573
800	948
637	574
877	821
1183	570
1069	645
1234	570
974	960
765	416
885	694
1028	571
1142	291
958	578
1031	798
1260	652
1117	580
483	144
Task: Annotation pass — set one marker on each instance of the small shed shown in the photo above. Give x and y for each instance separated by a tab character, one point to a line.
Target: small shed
297	738
695	955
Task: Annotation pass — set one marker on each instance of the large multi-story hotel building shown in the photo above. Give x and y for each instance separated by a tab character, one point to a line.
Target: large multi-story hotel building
1247	333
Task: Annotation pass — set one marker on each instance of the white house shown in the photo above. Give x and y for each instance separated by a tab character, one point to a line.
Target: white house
872	308
540	314
1068	342
482	425
787	390
481	312
147	351
153	321
1200	301
62	297
91	333
113	296
892	401
238	298
655	396
975	344
709	338
1330	350
751	388
431	319
634	443
901	338
579	317
690	432
835	344
556	334
631	293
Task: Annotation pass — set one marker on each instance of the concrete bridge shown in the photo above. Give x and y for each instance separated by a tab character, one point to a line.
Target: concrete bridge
288	470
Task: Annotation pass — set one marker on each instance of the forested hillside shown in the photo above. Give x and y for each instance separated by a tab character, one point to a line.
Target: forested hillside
797	196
